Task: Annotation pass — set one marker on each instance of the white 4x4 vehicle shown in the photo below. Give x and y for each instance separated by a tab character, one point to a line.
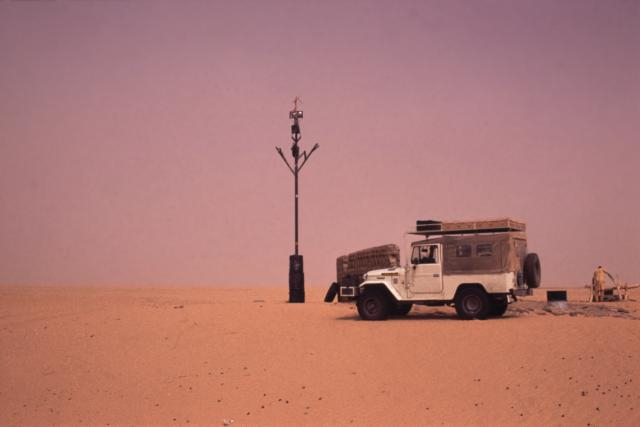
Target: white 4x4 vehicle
479	267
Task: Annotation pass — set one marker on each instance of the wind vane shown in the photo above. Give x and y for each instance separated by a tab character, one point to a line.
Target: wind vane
295	103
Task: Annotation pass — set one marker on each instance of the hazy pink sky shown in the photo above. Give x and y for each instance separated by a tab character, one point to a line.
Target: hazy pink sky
137	138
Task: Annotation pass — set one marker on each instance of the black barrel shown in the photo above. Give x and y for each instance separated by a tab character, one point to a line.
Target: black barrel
554	296
296	279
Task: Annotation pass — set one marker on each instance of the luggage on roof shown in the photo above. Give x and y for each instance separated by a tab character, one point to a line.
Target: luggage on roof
433	227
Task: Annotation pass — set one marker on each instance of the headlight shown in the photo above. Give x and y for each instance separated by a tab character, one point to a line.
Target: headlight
364	276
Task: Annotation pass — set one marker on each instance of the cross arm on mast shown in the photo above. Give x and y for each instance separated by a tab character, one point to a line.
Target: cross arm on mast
306	156
279	150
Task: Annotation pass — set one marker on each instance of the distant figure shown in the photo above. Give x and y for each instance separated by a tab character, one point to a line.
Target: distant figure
598	283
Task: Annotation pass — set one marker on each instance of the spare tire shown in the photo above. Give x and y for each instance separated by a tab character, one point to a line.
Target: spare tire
532	272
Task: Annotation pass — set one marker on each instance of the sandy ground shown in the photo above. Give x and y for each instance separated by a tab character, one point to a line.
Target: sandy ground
168	357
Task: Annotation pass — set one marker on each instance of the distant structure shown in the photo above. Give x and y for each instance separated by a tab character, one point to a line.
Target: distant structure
296	268
599	292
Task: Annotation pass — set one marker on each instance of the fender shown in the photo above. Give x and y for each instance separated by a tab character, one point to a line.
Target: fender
381	284
462	286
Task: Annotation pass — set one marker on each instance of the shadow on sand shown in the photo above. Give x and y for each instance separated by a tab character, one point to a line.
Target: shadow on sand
435	315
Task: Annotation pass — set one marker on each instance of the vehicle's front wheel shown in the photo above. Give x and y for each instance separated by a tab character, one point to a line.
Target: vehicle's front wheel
472	303
498	306
373	304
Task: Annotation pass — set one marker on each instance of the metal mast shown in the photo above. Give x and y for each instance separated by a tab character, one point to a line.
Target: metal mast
296	270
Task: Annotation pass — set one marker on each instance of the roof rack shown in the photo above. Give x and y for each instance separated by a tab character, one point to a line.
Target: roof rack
432	227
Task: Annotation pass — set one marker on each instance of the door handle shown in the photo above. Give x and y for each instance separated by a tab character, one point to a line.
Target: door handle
436	274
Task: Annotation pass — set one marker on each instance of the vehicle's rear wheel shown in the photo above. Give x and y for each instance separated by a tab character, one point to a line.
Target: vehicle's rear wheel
532	273
401	309
472	303
498	306
373	304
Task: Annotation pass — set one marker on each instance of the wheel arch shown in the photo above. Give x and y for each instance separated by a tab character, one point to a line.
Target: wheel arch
463	286
391	293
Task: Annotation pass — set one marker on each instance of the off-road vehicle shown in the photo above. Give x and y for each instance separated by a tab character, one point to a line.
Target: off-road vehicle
479	267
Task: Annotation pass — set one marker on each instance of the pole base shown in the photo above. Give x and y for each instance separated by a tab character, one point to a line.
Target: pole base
296	279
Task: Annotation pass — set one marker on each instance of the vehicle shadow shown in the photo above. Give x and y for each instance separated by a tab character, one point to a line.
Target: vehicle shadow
436	315
411	316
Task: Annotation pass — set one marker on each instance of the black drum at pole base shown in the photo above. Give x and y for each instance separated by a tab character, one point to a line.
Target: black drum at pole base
296	279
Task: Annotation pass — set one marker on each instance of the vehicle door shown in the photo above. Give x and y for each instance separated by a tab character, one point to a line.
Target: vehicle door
426	265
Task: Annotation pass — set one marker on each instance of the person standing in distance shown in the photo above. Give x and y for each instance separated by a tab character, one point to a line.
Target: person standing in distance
598	283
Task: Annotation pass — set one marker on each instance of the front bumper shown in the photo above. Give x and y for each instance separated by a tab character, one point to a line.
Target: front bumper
348	293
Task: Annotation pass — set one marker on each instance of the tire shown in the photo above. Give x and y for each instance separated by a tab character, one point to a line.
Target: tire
373	304
332	292
532	273
402	309
472	303
498	306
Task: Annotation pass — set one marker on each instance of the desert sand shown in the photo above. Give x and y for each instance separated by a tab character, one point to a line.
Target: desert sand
74	356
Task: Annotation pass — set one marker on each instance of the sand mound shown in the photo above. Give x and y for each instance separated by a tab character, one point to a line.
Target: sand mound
572	309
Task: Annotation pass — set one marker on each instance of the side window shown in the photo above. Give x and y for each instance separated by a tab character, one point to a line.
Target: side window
415	255
463	251
484	249
434	254
429	254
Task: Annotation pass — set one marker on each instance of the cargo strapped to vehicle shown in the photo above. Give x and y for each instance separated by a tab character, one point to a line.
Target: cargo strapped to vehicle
433	228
